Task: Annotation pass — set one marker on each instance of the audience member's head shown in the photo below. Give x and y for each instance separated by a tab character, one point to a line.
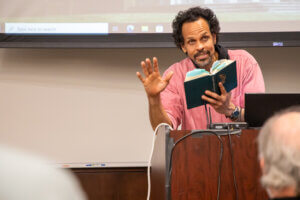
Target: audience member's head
27	177
279	152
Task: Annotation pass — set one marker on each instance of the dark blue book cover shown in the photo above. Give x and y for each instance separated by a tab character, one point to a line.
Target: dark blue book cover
195	88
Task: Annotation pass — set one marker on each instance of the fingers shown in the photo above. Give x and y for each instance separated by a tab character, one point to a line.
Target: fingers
222	88
212	98
213	95
155	64
224	92
140	77
149	65
209	100
143	64
218	102
169	76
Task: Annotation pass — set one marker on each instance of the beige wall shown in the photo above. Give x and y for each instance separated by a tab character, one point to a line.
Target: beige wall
82	105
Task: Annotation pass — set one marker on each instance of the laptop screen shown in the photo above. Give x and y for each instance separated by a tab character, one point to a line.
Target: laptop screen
260	106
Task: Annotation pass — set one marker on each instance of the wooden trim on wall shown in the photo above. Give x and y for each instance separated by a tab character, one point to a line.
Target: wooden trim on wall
128	183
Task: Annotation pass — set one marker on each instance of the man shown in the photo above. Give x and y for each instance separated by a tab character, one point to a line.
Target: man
195	32
29	177
279	152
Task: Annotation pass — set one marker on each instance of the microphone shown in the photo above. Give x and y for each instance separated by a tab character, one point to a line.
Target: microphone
208	117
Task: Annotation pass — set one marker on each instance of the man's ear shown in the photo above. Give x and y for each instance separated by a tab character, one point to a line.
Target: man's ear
183	49
214	38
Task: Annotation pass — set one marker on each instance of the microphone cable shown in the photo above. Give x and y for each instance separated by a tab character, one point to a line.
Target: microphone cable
220	159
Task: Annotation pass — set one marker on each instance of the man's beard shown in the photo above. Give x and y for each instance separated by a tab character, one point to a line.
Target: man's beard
203	63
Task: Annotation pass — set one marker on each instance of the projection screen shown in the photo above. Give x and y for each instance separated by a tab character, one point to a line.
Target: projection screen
58	22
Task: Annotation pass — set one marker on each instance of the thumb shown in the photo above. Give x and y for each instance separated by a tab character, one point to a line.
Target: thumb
169	76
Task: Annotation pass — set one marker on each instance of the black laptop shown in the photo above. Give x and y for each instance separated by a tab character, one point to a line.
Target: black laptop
260	106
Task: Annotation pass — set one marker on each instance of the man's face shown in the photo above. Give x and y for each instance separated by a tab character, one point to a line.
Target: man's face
199	43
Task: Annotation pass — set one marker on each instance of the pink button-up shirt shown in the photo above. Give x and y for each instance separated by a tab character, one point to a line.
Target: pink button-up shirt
249	80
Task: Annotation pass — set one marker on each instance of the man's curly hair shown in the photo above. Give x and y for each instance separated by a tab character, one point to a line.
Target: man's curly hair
191	15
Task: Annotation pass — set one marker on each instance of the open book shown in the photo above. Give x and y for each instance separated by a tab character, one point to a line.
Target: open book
199	80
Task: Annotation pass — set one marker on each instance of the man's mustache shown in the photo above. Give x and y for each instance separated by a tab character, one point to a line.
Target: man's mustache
201	52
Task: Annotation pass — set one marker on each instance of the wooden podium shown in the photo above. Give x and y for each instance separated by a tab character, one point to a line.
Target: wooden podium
195	166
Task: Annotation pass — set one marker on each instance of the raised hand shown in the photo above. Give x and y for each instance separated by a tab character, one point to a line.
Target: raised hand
153	83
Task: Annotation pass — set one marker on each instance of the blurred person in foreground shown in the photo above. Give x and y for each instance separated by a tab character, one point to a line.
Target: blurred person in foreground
196	34
29	177
279	154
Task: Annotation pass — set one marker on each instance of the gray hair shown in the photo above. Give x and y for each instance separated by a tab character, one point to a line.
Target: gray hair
281	157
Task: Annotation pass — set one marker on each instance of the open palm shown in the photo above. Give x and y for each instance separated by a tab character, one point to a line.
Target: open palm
153	83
